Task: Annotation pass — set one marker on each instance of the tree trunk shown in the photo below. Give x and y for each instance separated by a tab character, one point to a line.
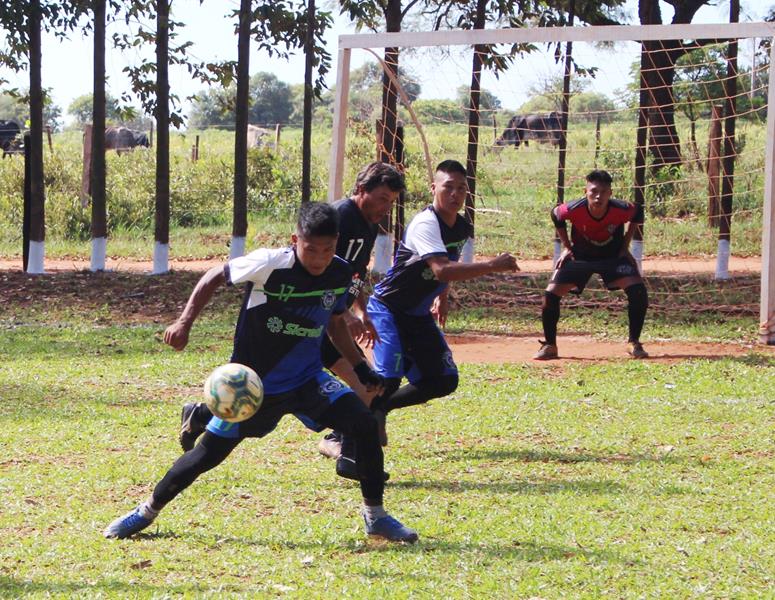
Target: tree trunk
162	217
37	189
306	141
99	225
389	91
240	217
473	128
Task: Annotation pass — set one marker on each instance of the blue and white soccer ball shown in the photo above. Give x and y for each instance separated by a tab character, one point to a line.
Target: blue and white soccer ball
233	392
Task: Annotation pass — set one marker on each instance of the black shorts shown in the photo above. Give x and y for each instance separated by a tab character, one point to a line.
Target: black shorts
329	354
307	402
579	271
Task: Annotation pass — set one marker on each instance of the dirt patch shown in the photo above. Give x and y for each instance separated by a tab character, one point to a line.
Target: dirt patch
668	265
126	296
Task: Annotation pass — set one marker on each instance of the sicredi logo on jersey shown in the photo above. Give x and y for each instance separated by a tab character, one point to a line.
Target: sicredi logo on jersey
276	325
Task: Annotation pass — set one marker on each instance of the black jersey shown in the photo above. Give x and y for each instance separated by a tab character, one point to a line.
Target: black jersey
410	286
356	236
284	314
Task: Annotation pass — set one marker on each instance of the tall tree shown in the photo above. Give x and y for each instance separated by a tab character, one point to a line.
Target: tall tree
240	210
99	221
658	75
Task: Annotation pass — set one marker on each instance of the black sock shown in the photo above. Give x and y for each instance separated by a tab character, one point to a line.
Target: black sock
638	302
550	315
202	414
420	392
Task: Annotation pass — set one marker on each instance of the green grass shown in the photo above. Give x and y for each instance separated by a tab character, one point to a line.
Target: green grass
621	479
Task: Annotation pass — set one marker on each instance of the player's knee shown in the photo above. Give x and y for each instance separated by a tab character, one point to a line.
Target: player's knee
637	295
551	301
441	386
364	426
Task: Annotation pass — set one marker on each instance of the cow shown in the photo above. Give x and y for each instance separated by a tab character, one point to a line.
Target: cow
122	139
11	140
258	137
541	128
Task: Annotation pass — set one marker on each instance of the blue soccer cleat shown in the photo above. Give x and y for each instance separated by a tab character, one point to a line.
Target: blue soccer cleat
127	525
390	529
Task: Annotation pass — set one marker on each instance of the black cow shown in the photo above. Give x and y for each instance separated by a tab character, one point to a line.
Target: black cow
521	129
123	138
10	138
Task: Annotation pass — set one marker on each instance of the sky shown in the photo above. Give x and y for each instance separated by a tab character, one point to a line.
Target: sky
67	63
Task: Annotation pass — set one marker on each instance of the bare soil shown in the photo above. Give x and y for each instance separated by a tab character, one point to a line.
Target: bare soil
125	294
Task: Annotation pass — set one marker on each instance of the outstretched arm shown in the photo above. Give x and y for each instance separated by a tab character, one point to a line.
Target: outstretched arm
446	270
176	335
339	332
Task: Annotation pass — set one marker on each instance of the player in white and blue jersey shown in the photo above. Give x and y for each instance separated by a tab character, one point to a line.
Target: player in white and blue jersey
404	303
293	297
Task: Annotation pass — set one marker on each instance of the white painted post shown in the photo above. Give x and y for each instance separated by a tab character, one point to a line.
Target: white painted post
336	174
767	302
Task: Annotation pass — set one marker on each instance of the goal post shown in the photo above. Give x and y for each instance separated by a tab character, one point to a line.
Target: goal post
466	40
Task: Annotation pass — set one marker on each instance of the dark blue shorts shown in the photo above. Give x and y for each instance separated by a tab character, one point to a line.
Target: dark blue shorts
578	271
307	402
411	346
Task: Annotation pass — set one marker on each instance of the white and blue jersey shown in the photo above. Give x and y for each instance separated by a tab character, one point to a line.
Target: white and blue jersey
410	287
284	315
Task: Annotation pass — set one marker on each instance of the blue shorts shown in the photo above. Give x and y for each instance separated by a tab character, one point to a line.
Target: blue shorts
307	402
411	346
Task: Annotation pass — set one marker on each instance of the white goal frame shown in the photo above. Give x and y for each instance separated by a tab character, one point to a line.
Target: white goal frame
617	33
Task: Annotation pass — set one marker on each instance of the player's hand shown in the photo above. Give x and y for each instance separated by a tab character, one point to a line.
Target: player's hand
370	335
176	335
370	380
566	256
355	326
440	310
504	262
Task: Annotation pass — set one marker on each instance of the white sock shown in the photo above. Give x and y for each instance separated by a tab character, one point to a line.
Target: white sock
372	513
146	511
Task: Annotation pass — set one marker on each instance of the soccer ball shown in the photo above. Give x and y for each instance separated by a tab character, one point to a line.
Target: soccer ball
233	392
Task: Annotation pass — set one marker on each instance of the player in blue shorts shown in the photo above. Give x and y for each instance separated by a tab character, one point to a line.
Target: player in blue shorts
410	342
377	187
293	297
597	244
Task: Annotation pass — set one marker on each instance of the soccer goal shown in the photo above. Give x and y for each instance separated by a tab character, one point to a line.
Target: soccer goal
678	114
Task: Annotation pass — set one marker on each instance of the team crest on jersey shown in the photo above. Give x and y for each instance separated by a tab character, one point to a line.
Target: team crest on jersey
274	324
330	387
328	299
427	274
611	228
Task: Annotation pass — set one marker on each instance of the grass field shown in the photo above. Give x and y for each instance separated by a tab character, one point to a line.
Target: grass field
608	479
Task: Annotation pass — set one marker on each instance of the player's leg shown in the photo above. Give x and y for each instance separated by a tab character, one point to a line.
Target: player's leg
637	299
331	444
570	275
433	372
349	415
217	443
209	453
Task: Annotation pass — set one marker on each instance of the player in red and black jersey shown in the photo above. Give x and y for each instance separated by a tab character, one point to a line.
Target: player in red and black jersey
597	244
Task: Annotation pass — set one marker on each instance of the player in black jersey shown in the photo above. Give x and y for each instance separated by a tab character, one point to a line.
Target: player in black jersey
410	342
376	189
377	186
293	295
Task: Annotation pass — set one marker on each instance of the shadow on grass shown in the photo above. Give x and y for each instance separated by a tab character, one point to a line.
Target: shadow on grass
556	456
18	588
585	486
522	550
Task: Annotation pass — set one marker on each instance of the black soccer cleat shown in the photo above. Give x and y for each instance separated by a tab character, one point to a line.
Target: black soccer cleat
346	467
190	427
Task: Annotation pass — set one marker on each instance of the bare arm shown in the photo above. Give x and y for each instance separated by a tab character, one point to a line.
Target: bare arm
446	270
339	332
631	229
176	335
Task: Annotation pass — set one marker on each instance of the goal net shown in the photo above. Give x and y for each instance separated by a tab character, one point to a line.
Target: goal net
678	115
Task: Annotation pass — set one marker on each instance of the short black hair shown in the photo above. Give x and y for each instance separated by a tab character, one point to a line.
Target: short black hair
317	219
376	174
600	176
451	166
